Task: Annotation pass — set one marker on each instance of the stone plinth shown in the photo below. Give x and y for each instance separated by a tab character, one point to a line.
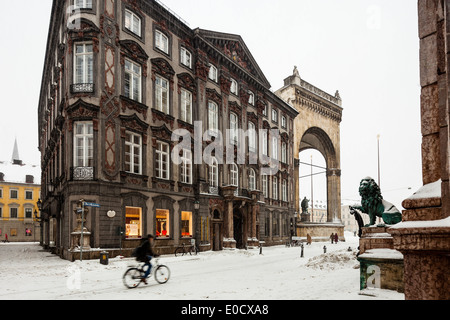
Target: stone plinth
389	268
375	238
379	262
425	246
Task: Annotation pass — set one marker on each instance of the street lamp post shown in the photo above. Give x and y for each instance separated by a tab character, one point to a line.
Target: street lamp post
378	146
198	219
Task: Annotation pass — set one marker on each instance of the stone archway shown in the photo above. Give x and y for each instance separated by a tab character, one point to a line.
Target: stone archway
317	126
316	138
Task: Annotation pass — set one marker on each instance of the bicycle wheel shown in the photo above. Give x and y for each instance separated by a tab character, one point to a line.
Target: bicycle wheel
162	274
179	252
132	278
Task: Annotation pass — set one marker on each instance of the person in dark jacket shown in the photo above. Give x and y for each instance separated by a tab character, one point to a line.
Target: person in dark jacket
146	254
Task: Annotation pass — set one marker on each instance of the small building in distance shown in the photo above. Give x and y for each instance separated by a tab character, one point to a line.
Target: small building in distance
20	189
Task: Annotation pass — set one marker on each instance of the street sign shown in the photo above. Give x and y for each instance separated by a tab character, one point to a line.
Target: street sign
89	204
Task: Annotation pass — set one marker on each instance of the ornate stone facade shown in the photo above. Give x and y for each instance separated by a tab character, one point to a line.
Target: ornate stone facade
113	95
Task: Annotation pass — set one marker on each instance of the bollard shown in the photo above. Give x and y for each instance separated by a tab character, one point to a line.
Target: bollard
324	249
302	251
260	249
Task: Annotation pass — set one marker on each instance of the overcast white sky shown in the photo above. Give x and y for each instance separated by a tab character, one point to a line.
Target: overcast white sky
366	49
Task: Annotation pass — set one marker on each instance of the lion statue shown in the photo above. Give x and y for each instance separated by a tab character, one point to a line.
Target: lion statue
373	204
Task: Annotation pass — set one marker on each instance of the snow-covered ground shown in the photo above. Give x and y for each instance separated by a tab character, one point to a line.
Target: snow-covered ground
27	272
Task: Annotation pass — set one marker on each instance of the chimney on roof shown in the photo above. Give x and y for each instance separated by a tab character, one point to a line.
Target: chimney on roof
2	177
29	179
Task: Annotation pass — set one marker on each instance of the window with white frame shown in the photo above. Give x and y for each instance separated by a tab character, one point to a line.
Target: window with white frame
13	194
161	41
28	194
214	173
84	144
252	179
133	153
186	106
162	161
251	137
265	186
274	115
265	143
234	89
234	126
275	188
234	175
274	148
84	63
186	57
162	94
283	122
213	116
251	98
213	74
13	213
82	4
186	166
133	22
284	152
133	81
28	213
284	190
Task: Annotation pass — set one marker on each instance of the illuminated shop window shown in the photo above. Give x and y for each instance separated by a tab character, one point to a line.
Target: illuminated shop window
133	223
186	224
162	223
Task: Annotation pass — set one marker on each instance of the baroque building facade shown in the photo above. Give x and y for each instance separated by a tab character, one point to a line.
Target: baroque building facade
125	85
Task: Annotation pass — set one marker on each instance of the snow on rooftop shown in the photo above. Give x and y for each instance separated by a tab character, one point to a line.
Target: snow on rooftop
16	173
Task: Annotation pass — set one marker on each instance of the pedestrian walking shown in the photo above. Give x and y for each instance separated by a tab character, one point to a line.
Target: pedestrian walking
308	239
6	238
336	238
332	238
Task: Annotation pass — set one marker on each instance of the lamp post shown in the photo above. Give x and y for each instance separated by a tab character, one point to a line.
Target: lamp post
197	208
39	220
378	147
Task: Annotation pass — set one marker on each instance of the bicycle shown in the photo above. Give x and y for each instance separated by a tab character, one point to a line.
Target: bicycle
182	250
132	278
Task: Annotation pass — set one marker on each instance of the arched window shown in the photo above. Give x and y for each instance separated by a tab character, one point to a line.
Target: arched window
233	128
275	188
214	176
284	191
251	137
234	175
252	179
213	116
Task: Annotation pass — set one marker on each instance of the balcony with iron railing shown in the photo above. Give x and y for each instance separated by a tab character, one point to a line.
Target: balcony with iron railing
82	173
82	88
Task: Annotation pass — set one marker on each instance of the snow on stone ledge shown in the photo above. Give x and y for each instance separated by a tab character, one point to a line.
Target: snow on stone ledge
432	190
444	223
382	254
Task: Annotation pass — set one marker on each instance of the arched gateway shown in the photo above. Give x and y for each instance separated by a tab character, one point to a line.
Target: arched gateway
317	127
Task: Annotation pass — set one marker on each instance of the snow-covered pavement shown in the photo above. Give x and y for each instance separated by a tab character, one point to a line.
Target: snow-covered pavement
27	272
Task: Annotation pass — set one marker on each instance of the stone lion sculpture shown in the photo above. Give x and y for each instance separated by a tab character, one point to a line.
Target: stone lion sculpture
373	204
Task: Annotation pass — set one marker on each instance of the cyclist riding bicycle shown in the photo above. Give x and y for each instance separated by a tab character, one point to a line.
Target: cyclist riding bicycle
145	254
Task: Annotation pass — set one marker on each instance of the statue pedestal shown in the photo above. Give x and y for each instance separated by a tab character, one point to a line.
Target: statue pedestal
375	238
381	266
76	240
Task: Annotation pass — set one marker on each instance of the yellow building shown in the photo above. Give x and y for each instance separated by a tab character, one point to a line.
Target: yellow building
19	193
